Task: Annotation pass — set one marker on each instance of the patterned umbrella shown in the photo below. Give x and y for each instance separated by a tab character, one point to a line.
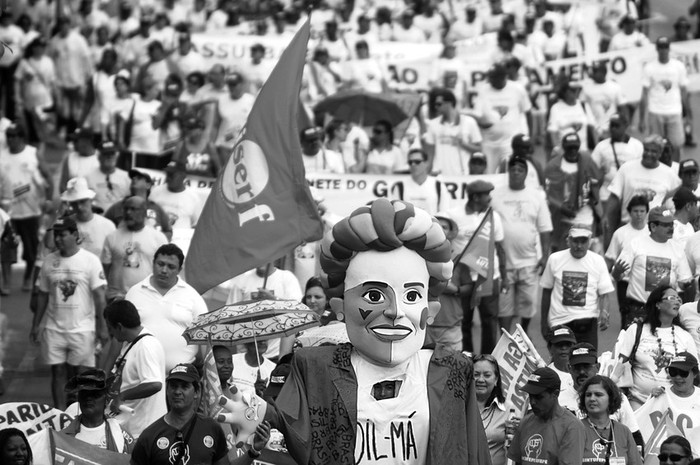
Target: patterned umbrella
251	321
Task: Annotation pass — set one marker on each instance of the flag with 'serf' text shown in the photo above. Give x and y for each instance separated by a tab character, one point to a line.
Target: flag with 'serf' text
260	206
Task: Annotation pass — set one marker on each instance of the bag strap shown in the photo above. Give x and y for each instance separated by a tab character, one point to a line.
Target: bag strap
186	439
637	338
617	162
133	343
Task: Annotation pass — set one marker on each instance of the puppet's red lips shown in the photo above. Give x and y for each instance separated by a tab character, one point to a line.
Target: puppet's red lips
391	333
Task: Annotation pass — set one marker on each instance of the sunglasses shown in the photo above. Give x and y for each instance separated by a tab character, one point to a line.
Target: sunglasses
672	457
666	225
414	162
378	131
673	371
673	298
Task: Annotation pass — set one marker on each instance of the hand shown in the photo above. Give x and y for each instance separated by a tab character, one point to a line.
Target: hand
102	335
657	391
260	386
505	284
568	212
34	335
541	264
115	404
642	125
262	435
619	268
265	294
544	328
604	320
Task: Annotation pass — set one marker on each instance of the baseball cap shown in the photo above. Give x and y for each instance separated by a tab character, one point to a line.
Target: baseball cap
77	189
688	165
479	187
618	119
83	133
65	223
312	134
684	195
134	173
193	122
521	141
663	42
234	78
580	230
279	376
561	334
583	353
92	379
184	372
685	361
660	215
542	379
517	160
682	21
571	140
108	148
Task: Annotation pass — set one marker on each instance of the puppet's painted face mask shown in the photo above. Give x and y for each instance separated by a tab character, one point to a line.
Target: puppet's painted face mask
385	305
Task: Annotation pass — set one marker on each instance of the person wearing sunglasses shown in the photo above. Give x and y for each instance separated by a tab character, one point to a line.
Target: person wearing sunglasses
658	341
675	450
422	190
384	157
683	370
607	441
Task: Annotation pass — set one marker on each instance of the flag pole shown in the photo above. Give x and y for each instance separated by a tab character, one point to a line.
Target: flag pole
478	228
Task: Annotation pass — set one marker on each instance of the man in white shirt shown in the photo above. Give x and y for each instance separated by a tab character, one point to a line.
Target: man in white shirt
139	370
186	59
317	158
527	227
406	31
233	110
604	98
652	260
93	229
689	172
611	153
451	138
421	190
111	184
504	108
167	305
182	205
665	97
468	218
576	289
647	176
686	206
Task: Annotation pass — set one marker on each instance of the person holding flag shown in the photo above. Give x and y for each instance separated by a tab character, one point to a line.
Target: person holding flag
479	245
577	289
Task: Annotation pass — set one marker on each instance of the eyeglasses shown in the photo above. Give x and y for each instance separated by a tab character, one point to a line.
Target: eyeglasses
666	225
672	457
673	371
414	162
673	298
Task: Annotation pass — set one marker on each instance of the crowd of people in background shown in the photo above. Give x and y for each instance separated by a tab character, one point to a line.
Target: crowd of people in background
609	222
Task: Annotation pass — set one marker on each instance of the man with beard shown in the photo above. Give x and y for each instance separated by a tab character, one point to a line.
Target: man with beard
550	433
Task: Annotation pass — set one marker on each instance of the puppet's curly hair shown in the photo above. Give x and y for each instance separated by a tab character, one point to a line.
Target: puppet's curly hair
383	226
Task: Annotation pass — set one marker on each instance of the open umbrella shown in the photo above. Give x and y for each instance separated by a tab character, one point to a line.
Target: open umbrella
250	321
361	107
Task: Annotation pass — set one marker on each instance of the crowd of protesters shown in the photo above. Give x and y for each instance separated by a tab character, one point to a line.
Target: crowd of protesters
609	222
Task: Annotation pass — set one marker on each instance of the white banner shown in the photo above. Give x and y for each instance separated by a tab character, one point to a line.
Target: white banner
516	367
343	193
30	417
686	416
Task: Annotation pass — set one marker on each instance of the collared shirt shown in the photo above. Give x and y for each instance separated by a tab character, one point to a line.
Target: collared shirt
168	315
494	418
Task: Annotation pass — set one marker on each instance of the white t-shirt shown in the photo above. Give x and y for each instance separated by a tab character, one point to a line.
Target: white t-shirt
69	281
692	252
385	161
244	376
525	215
450	158
603	101
130	254
565	118
94	232
168	316
80	166
183	208
604	157
653	264
325	161
233	114
505	109
467	224
105	197
664	82
145	363
567	381
634	179
282	283
690	319
623	235
367	74
650	361
377	419
144	138
682	232
21	182
94	436
622	41
426	196
576	284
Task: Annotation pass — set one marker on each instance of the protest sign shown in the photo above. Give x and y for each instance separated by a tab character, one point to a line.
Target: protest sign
683	414
516	366
31	417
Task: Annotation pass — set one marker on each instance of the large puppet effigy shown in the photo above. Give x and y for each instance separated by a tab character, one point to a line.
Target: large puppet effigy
382	398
